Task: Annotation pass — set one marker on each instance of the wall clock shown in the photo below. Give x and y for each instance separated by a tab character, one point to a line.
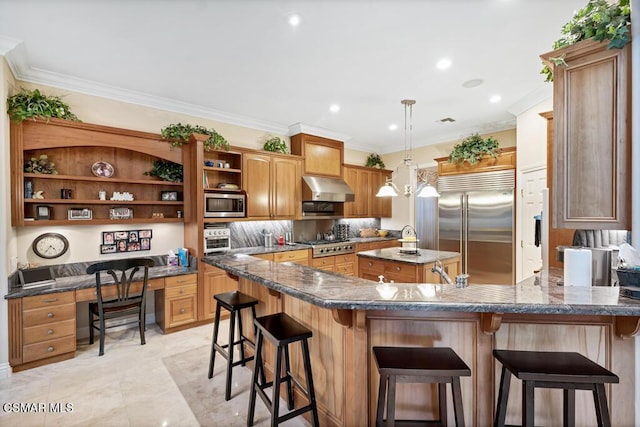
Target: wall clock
50	245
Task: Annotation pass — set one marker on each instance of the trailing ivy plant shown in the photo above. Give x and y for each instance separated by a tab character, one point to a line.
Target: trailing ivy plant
599	20
178	134
28	104
276	145
166	171
374	160
473	148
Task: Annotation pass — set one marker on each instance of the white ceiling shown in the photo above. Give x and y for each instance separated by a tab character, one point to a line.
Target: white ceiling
241	62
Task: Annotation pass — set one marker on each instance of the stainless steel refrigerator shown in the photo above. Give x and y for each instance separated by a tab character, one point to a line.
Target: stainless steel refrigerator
475	218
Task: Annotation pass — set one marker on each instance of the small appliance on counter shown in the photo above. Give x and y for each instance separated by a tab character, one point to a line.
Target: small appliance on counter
409	240
216	239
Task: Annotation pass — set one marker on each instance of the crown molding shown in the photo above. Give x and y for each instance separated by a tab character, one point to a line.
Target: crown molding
297	128
541	94
15	54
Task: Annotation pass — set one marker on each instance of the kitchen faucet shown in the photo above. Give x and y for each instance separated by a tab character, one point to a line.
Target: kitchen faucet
438	268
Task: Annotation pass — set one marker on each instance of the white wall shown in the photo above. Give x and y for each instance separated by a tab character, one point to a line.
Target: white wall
532	155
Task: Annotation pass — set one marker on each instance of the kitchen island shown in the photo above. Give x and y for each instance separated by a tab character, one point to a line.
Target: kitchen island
407	267
349	316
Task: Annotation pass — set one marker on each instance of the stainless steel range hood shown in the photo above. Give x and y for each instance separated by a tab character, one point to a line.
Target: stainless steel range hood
321	189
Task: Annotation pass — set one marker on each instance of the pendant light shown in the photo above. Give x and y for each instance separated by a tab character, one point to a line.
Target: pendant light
389	189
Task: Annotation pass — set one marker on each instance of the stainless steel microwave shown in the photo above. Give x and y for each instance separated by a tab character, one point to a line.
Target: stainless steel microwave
224	205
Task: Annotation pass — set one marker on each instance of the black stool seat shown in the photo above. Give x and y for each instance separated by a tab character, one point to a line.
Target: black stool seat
569	371
281	330
234	302
439	365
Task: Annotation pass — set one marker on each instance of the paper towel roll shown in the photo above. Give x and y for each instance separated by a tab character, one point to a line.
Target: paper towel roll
577	267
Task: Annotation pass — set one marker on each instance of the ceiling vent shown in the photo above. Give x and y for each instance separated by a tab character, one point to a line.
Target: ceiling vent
446	120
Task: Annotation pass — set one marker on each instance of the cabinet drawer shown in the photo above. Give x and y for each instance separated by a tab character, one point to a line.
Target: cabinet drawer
346	268
268	257
109	291
291	256
181	310
180	291
49	331
49	348
180	280
371	265
323	263
48	300
345	258
41	316
400	269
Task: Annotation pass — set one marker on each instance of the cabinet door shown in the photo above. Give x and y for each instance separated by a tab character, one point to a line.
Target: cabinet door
351	178
380	206
286	187
322	156
216	281
592	137
362	190
257	184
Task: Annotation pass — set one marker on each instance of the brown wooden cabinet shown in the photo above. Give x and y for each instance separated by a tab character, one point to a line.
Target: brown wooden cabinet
177	305
273	186
505	160
74	148
592	137
380	244
322	156
216	281
365	183
371	269
343	264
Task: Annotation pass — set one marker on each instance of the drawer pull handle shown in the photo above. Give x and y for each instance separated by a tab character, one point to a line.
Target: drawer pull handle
50	332
50	300
370	264
397	268
49	315
182	311
182	291
50	349
182	281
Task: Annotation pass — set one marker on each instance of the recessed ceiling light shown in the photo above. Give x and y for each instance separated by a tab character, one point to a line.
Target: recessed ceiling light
393	127
443	64
294	20
334	108
472	83
495	99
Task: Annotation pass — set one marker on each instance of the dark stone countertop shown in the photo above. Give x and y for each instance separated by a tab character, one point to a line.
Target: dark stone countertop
424	256
539	294
70	277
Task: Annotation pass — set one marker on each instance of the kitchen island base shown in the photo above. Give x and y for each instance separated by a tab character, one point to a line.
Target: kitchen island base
346	378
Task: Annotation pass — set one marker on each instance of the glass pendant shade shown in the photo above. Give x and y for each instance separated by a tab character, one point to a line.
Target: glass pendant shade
427	191
387	190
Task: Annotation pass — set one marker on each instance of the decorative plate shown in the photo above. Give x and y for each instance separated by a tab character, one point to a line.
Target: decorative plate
102	169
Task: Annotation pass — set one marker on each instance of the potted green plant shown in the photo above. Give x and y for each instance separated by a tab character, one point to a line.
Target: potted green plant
28	104
275	145
179	134
473	148
166	171
598	20
40	164
374	160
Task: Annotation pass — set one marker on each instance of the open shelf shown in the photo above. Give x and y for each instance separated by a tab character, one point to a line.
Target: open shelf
100	202
49	222
102	180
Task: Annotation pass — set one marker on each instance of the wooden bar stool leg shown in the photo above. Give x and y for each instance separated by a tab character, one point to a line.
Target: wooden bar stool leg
503	398
263	379
569	407
457	402
442	403
287	372
382	392
310	387
232	332
241	335
214	340
391	402
275	399
254	381
528	403
602	410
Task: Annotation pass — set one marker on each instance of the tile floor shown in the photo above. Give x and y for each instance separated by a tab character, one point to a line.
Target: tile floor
163	383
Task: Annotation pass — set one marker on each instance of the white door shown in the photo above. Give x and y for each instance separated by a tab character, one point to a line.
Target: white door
533	182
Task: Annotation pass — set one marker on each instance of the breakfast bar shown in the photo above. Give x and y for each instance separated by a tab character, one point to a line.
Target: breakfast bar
349	316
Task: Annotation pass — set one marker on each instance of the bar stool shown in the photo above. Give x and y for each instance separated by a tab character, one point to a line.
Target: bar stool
234	302
552	369
439	365
281	330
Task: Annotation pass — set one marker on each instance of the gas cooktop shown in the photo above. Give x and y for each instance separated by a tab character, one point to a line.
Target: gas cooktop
320	248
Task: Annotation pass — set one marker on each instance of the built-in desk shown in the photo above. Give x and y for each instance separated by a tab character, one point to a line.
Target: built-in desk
42	320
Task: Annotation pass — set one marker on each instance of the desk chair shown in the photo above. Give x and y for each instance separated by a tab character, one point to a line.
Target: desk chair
126	301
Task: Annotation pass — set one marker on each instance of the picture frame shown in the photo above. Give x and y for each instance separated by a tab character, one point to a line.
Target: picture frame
121	213
145	234
121	246
133	236
42	212
169	196
145	244
80	214
108	238
107	249
120	235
